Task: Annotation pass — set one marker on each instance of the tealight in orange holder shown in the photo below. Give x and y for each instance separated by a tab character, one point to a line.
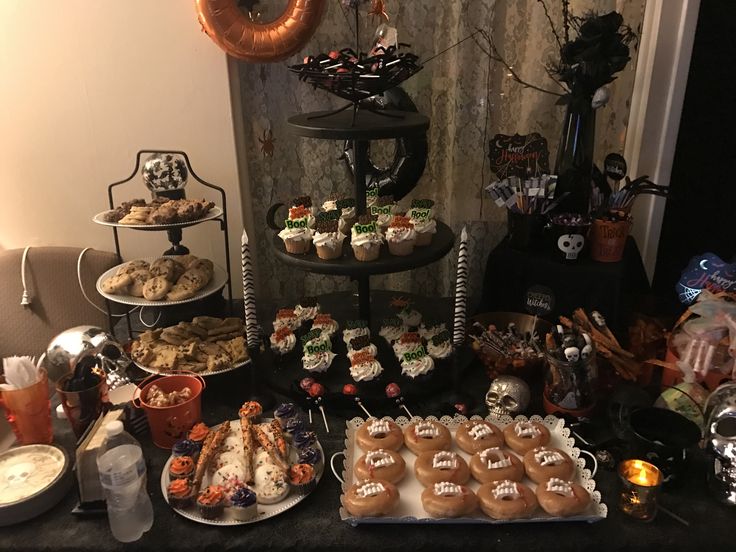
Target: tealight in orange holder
641	483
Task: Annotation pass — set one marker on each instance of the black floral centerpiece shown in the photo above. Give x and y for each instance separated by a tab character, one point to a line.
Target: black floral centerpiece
587	63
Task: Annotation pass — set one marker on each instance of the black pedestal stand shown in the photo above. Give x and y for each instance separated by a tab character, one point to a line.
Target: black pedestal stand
361	126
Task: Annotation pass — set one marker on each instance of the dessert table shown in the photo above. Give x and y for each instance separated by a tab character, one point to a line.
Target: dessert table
314	524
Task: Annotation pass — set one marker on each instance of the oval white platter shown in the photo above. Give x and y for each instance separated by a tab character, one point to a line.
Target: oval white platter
213	213
216	283
410	507
265	511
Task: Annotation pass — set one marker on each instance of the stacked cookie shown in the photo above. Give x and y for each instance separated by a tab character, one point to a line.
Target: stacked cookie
172	278
160	210
205	344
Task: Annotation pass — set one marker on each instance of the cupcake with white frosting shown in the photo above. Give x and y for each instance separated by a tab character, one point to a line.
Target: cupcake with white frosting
361	344
429	329
392	329
307	309
401	236
364	367
348	214
353	329
326	324
440	346
297	234
287	318
317	349
327	237
283	341
422	216
384	210
407	342
366	239
304	202
416	363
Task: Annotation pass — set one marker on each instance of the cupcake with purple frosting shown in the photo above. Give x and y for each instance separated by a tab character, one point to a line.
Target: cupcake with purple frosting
243	504
185	447
304	439
311	456
284	412
293	426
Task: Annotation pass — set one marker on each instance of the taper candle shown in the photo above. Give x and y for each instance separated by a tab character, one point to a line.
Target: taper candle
461	284
249	295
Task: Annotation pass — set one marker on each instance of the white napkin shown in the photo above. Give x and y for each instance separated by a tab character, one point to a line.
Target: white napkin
19	372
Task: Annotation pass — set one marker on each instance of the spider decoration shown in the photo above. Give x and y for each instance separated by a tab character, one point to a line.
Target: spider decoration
378	9
399	302
267	143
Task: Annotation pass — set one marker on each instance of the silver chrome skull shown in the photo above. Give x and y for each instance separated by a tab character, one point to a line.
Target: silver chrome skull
720	413
507	395
70	345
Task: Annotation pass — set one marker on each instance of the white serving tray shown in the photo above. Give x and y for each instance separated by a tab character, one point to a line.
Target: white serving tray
216	283
410	506
213	213
265	511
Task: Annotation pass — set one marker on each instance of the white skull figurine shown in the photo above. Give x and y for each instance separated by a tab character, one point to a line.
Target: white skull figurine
507	395
598	319
600	97
571	245
572	354
586	352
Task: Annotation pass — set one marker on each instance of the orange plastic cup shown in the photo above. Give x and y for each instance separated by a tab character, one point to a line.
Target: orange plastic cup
28	411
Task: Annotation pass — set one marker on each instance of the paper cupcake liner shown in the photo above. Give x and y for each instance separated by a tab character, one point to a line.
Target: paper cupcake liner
401	248
297	247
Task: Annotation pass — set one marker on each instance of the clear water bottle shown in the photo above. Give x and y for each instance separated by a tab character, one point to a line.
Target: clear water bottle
122	472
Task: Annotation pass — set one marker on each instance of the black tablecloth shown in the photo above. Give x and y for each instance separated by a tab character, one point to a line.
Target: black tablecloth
610	288
314	524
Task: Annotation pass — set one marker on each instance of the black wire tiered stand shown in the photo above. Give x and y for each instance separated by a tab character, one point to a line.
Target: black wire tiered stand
173	231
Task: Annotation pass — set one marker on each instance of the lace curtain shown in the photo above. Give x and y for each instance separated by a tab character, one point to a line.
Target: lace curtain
468	99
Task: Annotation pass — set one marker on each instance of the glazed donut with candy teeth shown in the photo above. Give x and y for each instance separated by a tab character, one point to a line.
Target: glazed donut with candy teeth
477	435
542	463
562	498
425	435
494	464
370	498
436	466
379	434
521	437
506	500
381	464
448	500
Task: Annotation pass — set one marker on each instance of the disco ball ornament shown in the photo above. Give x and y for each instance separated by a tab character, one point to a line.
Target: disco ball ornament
163	172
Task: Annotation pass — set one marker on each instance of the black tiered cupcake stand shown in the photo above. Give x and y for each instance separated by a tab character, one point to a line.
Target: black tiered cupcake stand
361	127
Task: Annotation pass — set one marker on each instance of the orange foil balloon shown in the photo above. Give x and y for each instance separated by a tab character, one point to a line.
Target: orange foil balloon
235	32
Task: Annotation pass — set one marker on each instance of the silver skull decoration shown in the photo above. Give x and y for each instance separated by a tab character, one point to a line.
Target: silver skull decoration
70	345
507	395
720	413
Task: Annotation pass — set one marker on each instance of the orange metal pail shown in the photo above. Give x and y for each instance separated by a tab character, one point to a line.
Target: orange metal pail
170	423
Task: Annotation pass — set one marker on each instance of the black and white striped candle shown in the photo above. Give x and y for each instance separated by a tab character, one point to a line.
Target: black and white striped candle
461	284
249	295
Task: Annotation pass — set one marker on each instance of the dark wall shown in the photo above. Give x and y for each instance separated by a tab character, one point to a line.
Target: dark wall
701	213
